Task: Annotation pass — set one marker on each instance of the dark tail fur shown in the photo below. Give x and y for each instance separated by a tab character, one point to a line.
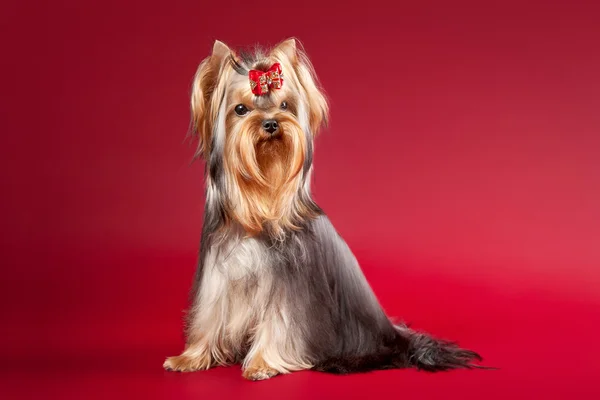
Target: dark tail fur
409	349
431	354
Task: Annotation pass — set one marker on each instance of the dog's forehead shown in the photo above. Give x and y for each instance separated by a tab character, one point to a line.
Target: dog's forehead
263	102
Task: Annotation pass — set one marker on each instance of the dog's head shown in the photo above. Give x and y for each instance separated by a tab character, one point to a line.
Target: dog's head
255	116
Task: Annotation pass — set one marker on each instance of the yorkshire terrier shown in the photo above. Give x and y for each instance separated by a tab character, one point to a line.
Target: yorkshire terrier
276	287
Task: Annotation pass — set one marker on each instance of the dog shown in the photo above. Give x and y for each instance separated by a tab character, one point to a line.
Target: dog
277	289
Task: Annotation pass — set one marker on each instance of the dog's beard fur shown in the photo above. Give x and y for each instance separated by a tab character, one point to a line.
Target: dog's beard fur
276	286
265	174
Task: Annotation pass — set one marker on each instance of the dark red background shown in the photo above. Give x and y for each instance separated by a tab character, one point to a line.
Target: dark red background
464	172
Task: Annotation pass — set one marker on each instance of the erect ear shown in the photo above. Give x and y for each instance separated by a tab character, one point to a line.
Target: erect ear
204	86
318	108
288	48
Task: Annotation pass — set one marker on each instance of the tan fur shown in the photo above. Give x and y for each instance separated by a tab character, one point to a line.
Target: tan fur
264	175
207	87
259	370
195	357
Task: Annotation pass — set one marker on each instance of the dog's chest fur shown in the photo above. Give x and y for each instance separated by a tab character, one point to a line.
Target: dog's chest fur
236	290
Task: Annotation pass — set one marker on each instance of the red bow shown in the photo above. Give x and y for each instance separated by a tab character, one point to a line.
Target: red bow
261	82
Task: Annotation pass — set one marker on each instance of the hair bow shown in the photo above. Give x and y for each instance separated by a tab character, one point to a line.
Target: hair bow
261	82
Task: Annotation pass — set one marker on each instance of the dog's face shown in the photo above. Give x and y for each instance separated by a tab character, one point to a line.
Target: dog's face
256	116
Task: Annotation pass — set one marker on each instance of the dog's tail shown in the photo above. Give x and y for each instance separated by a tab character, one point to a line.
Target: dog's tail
410	349
427	353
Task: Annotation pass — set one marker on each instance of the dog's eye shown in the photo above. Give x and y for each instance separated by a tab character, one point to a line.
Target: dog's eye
283	105
241	109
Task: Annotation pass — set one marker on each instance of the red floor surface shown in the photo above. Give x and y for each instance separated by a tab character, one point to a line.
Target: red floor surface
110	343
466	178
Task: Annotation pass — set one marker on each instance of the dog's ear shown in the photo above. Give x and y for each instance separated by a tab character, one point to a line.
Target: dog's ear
288	48
318	112
205	88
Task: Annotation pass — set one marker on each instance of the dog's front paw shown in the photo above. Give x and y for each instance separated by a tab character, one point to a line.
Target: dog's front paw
259	373
184	363
257	370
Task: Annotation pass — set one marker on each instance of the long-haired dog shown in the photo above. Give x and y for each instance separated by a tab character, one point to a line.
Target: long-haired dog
277	289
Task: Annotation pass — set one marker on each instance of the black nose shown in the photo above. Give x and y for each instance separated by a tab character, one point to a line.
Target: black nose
270	125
